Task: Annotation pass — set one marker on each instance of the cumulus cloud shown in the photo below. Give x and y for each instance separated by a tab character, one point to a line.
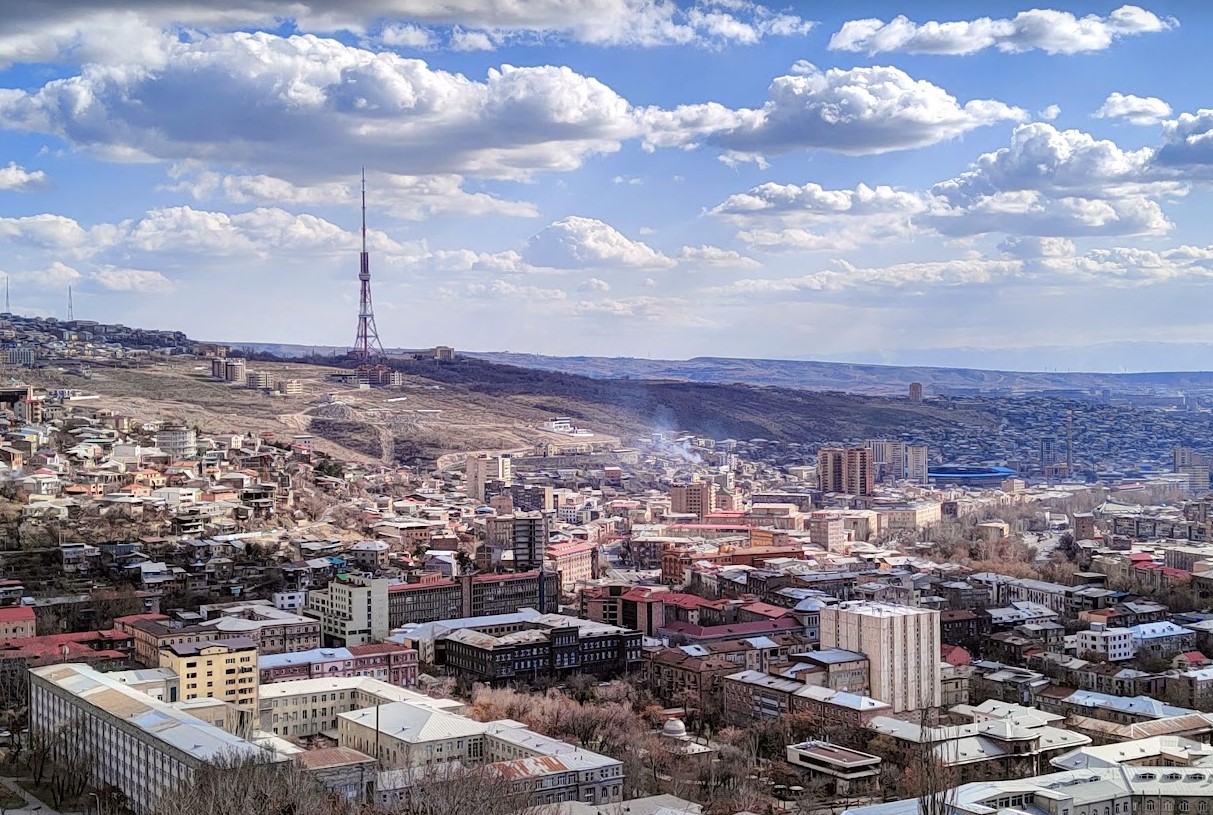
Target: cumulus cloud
410	197
471	40
1048	30
595	284
1050	113
857	111
505	289
84	30
1136	110
407	35
586	243
1025	246
276	103
136	280
1051	182
715	256
810	217
14	178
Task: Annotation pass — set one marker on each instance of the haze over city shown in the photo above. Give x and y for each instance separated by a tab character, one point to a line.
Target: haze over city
623	177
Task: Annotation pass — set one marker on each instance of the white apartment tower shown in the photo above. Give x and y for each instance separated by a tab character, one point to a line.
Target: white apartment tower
901	644
916	463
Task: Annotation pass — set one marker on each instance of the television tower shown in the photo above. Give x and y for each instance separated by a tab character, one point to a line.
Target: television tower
366	345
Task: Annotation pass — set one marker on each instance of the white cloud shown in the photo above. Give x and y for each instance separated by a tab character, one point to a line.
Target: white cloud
403	196
1029	247
406	35
1054	32
1051	182
83	30
846	275
1137	110
502	289
45	231
857	111
1050	113
787	217
14	178
471	41
277	104
715	256
136	280
595	284
586	243
1187	140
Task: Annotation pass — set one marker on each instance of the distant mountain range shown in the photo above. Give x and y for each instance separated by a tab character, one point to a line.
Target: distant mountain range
855	377
830	376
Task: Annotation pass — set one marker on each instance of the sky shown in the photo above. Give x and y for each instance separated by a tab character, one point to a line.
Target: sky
866	181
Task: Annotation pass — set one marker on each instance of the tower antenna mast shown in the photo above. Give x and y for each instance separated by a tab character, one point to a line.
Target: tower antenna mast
366	344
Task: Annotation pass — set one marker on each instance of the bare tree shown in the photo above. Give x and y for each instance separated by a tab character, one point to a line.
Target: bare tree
463	790
243	785
927	777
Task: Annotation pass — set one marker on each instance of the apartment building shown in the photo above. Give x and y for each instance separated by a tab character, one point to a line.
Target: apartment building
225	670
482	470
849	470
1112	644
362	610
573	561
752	696
179	441
901	644
353	611
389	662
529	538
698	499
274	631
139	744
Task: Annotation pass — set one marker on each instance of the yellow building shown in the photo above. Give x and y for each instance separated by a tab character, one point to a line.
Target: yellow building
225	670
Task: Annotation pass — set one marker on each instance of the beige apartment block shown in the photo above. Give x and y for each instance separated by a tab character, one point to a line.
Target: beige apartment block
901	644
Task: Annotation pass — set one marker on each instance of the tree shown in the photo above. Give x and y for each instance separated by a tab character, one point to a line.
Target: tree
926	777
246	785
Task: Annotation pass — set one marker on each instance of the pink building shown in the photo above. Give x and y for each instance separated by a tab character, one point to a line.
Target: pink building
387	661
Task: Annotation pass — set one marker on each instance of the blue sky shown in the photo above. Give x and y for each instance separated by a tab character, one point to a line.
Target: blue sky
1028	187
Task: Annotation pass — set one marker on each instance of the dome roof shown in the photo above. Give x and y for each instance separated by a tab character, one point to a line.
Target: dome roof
674	729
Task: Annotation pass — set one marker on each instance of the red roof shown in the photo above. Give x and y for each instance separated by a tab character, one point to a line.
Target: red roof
16	614
766	610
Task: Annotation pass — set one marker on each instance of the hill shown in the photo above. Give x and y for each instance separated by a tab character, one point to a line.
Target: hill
472	404
854	377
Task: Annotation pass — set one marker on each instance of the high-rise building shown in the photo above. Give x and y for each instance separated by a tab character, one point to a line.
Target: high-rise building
888	458
353	611
849	470
901	644
915	391
1183	457
698	499
483	469
531	531
1197	475
1049	452
916	463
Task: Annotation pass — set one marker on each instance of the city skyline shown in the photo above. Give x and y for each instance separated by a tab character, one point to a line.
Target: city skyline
1027	188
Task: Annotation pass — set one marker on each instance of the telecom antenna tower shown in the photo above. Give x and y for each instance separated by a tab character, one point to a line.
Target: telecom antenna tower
366	345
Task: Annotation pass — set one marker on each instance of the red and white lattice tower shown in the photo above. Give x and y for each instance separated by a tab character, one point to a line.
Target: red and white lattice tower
367	346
